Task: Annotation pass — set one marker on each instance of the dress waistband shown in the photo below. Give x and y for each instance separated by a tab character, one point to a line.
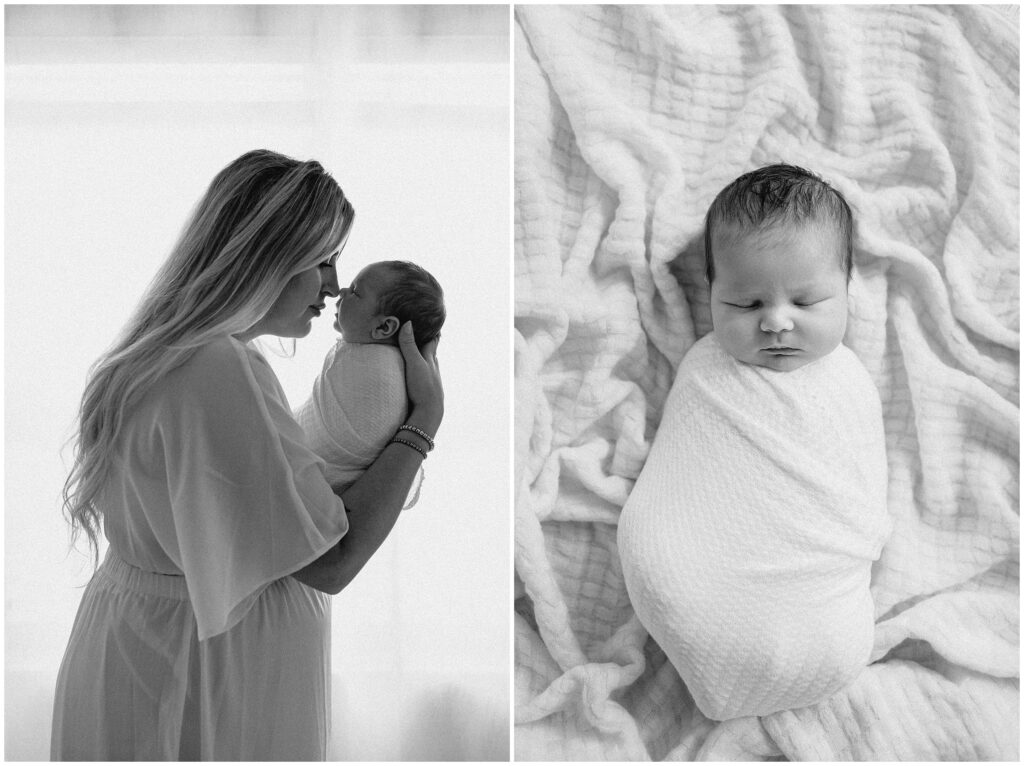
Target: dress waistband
120	572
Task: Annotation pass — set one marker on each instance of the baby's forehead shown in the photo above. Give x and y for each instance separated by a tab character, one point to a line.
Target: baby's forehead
748	240
731	232
380	274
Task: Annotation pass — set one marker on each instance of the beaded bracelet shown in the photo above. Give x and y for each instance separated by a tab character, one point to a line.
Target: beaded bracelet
419	432
408	443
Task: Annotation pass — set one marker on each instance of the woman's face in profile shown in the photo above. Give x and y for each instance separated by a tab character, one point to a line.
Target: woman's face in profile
301	301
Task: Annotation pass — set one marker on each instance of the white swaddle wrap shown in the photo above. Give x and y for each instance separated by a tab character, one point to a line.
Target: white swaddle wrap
358	402
748	540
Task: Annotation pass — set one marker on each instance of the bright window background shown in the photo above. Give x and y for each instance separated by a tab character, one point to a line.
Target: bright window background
117	117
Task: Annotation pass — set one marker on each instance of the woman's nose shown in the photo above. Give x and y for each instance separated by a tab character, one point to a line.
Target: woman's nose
329	283
776	320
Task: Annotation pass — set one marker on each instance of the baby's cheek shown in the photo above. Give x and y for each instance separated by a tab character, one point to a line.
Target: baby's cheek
839	321
831	330
720	323
734	336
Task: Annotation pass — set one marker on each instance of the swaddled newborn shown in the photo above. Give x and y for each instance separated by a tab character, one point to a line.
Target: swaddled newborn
359	402
748	540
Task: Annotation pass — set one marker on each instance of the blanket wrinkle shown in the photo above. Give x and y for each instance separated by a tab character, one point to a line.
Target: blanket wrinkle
628	121
550	613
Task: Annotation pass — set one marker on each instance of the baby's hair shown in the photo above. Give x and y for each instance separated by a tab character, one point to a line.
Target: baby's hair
413	295
778	193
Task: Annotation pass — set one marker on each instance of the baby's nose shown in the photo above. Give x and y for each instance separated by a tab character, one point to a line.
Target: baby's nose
775	321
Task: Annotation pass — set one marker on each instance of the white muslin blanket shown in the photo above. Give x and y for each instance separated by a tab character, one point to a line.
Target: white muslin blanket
748	540
358	403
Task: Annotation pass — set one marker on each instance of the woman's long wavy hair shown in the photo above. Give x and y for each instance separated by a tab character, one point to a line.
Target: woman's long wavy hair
264	219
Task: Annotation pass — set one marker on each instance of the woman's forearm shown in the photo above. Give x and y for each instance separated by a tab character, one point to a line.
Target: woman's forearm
373	503
385	484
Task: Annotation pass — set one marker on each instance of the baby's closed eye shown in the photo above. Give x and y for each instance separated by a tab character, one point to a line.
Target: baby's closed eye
799	302
812	301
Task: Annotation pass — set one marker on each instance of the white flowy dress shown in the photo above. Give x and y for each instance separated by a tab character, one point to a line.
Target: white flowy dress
191	642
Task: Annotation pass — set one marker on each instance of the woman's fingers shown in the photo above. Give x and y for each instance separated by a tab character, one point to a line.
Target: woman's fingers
407	343
429	349
422	376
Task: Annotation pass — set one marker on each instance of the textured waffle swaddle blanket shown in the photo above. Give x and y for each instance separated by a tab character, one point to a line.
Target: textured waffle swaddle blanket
748	540
358	403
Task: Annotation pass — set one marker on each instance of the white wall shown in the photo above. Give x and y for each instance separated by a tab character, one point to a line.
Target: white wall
111	137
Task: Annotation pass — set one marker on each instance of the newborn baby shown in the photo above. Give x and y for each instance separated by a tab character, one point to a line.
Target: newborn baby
748	540
359	401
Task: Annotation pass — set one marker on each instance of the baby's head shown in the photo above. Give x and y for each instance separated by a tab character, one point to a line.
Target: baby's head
779	248
384	296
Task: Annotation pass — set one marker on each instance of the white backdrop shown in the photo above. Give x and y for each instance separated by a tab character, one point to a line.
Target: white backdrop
117	117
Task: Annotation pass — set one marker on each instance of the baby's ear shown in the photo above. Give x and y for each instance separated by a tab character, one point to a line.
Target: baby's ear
386	328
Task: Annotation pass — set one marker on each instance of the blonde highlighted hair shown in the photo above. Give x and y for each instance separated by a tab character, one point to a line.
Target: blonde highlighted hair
265	218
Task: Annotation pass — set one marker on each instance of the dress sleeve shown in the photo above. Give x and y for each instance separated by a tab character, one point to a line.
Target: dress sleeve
249	498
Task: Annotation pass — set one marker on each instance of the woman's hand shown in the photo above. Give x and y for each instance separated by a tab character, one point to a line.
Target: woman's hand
422	380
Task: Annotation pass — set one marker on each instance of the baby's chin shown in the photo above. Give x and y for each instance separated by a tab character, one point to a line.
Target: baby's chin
782	362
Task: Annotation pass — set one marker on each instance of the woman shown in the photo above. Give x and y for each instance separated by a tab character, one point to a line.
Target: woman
205	632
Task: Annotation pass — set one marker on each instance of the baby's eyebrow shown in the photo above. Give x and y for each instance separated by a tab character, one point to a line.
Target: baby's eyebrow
811	286
753	291
742	289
